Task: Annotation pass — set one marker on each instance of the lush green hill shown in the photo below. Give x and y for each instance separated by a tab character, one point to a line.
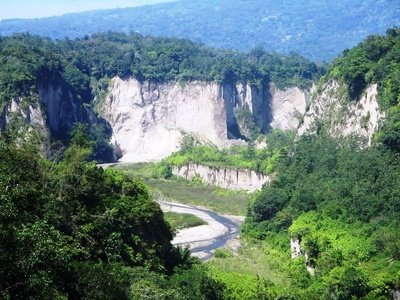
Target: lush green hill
340	198
71	230
317	29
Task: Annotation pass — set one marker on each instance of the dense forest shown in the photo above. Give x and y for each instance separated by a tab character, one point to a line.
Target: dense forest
83	68
71	230
319	30
26	60
340	198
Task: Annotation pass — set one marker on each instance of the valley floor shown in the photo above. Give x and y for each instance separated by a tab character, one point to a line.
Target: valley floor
220	230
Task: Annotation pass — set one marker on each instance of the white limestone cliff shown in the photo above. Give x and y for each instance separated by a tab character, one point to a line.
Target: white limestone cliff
287	107
228	178
149	120
341	116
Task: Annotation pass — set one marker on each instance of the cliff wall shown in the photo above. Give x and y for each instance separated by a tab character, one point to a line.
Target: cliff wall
228	178
331	109
149	119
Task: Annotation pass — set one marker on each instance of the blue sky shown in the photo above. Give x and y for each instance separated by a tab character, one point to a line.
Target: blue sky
10	9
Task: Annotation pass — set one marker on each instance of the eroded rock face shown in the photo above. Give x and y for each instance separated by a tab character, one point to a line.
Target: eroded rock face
61	109
341	117
295	247
228	178
28	113
52	112
149	120
287	107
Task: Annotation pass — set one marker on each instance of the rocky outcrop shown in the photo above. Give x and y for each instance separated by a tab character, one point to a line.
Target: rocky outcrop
61	108
228	178
50	113
331	108
287	107
54	112
149	119
295	247
296	251
29	114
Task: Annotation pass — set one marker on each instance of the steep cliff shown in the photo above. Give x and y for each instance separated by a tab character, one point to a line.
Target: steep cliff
229	178
332	109
149	119
61	109
50	114
30	114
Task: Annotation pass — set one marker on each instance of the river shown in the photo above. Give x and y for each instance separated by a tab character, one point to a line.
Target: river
220	231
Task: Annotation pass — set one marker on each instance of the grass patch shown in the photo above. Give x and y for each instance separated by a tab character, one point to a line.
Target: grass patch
254	258
181	221
217	199
186	192
141	170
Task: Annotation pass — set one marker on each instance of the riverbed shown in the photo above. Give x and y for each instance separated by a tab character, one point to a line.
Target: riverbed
220	231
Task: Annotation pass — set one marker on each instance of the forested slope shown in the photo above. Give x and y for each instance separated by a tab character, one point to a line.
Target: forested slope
72	74
338	197
69	229
316	29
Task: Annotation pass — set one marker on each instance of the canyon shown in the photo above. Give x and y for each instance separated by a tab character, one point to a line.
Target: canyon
149	120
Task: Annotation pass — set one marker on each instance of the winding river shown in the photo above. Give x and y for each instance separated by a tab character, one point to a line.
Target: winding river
220	231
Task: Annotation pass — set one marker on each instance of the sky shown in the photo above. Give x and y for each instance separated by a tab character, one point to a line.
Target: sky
10	9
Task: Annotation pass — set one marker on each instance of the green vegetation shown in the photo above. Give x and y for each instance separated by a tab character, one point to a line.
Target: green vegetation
69	229
146	171
158	176
375	60
317	29
254	258
186	192
246	157
342	202
217	199
85	65
339	198
181	221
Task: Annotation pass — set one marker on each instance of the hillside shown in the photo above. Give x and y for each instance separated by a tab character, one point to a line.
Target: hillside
132	89
335	204
319	30
326	227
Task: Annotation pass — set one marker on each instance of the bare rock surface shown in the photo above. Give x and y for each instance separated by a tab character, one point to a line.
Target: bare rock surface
149	119
341	116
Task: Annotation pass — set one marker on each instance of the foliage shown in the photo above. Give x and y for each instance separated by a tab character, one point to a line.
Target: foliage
342	202
262	160
179	221
95	138
375	60
69	229
29	60
283	27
